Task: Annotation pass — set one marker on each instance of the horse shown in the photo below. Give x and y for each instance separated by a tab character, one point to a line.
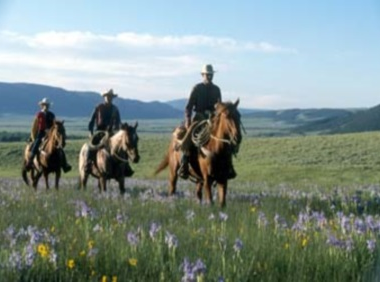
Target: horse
111	156
216	141
48	160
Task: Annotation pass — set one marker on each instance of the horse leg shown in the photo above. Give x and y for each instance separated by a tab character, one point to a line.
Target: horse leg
199	188
46	176
102	184
57	177
121	185
208	190
222	193
173	178
35	177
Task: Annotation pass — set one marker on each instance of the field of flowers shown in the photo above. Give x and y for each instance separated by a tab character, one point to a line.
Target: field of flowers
282	234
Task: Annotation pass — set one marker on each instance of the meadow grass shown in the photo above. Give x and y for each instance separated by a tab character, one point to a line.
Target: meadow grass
302	208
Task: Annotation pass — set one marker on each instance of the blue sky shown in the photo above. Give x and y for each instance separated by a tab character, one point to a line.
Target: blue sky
272	54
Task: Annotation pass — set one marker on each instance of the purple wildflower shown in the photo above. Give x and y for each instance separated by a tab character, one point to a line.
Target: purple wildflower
132	238
223	216
171	240
371	245
192	270
238	245
154	229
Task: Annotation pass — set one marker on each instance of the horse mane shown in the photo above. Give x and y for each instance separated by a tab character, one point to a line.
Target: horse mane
119	140
225	124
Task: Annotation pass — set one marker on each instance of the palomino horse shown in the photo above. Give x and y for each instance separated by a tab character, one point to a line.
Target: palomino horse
48	160
210	159
111	157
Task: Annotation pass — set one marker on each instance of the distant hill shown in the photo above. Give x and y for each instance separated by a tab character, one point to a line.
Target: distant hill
357	121
22	99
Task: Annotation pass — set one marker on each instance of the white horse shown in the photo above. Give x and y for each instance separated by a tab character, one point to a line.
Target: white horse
110	157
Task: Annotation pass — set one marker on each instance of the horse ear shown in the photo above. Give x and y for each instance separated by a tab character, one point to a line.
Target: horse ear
136	124
237	102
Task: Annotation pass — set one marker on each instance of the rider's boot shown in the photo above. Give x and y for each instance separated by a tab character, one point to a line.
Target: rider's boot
64	164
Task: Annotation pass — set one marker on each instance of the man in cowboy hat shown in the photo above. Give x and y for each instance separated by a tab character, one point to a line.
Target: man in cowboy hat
106	117
203	98
43	121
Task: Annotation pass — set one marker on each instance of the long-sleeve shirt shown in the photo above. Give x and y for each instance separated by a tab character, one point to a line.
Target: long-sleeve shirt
42	121
106	117
203	98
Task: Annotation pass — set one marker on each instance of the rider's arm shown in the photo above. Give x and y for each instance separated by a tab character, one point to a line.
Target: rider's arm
190	106
92	121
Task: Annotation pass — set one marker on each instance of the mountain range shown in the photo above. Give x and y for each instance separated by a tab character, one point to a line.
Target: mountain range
22	99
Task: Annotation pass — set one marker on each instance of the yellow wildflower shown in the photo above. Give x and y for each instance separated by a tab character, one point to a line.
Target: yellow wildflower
132	261
114	278
104	278
82	253
286	246
43	250
91	244
304	242
70	263
253	209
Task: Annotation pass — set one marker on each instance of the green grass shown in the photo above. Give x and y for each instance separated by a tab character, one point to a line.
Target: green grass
302	161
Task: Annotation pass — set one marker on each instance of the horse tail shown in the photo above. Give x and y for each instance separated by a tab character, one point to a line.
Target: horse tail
164	164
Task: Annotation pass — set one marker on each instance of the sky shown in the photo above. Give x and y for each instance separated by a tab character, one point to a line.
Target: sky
271	54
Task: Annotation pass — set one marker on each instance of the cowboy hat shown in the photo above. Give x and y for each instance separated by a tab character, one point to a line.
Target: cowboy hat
207	69
45	101
109	93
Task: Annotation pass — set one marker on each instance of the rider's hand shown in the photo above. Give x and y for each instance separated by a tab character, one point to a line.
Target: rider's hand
187	123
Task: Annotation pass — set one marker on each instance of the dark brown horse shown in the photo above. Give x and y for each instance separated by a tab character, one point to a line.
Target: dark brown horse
49	158
111	157
217	140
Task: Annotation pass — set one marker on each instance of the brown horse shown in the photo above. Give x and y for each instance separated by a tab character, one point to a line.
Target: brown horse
48	160
216	143
111	157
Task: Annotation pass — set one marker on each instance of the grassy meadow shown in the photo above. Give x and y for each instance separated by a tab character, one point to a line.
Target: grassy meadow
303	208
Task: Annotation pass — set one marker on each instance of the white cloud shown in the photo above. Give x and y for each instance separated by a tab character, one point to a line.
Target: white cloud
142	66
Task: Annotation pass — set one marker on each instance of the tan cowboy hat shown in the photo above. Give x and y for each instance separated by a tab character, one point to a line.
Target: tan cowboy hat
109	93
207	69
45	101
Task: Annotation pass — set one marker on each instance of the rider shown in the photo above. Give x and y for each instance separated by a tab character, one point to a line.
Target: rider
203	98
106	117
43	121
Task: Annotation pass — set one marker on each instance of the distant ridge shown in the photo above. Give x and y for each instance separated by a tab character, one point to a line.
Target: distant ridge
22	99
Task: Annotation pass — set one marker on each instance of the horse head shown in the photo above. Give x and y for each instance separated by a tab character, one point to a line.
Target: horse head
56	137
227	122
127	141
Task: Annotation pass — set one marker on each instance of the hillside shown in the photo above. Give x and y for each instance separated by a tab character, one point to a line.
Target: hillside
22	99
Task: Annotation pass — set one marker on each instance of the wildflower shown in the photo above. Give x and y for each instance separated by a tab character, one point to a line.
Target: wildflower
211	217
90	244
171	240
238	245
132	238
82	253
304	242
371	245
43	250
114	278
262	220
286	246
104	278
223	216
97	228
132	261
193	271
70	263
153	230
190	215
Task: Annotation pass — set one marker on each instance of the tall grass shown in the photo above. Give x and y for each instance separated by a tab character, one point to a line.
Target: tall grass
286	235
